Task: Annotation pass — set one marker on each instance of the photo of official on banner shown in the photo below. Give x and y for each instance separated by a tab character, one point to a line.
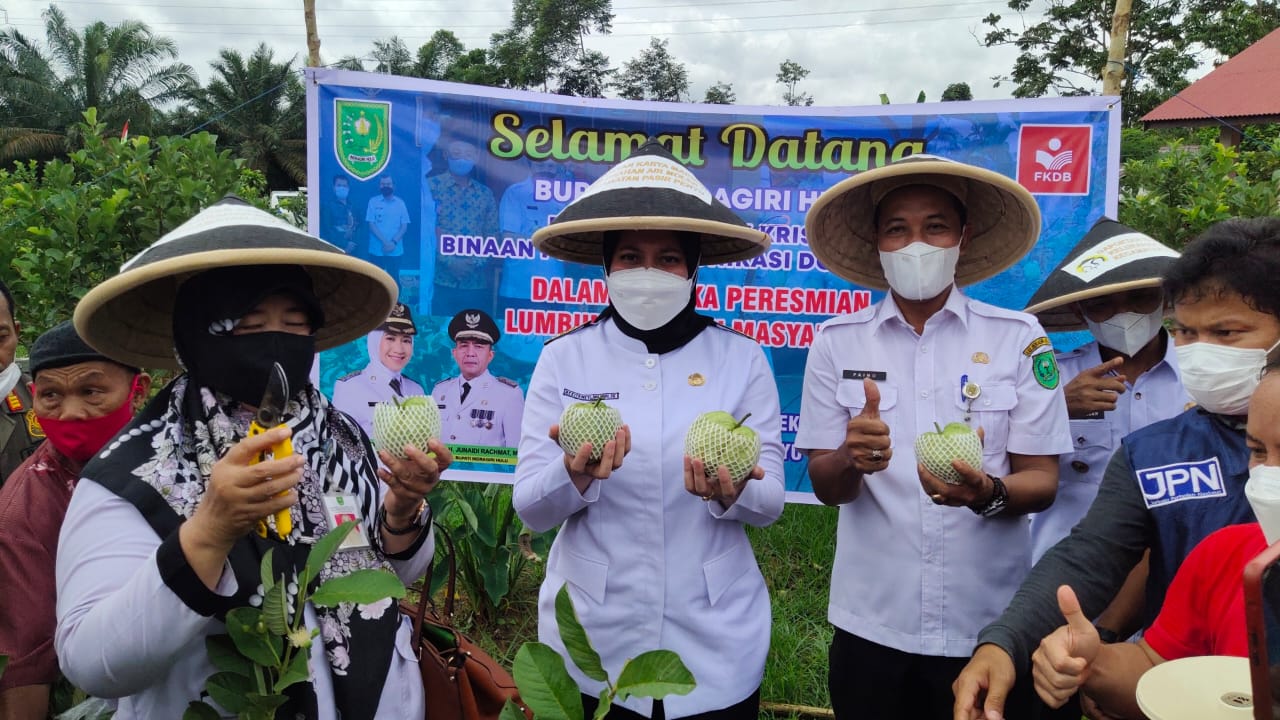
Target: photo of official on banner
442	185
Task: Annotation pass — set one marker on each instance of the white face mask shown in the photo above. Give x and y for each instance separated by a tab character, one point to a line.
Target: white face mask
9	378
1263	492
920	271
1221	378
648	298
1127	332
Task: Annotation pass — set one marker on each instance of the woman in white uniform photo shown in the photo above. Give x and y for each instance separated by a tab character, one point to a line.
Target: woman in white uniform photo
654	553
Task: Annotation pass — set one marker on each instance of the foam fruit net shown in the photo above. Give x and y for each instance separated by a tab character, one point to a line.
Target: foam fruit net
588	422
410	423
714	445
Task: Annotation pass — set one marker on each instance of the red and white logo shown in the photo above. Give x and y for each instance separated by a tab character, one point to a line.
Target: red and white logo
1054	159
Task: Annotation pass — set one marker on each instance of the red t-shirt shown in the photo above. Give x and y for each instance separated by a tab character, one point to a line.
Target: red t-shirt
33	503
1203	613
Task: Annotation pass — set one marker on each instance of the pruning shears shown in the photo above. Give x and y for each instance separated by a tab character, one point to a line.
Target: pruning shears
271	415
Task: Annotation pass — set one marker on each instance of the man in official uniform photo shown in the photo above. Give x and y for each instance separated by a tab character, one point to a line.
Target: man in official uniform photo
477	408
19	431
390	349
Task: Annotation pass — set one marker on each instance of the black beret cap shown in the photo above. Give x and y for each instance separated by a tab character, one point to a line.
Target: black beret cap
62	346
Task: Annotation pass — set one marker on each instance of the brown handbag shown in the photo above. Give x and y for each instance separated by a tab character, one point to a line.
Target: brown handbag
460	680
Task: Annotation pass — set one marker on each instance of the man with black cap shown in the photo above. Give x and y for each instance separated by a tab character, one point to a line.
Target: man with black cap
917	574
82	400
19	433
390	350
477	408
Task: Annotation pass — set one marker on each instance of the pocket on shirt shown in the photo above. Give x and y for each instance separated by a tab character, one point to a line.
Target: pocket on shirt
1092	446
852	395
990	411
587	574
723	571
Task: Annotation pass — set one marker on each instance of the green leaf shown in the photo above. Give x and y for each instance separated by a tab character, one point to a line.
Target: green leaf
606	704
275	609
265	705
264	572
655	674
324	549
200	711
575	640
263	649
496	575
295	673
224	656
510	712
361	586
545	684
230	690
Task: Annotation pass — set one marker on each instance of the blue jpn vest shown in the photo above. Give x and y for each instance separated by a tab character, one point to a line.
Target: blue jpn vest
1191	470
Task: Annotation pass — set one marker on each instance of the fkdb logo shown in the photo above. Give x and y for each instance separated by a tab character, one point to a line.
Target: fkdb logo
1054	159
1181	481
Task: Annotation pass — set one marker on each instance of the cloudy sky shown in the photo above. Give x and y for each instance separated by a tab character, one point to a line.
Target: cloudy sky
854	49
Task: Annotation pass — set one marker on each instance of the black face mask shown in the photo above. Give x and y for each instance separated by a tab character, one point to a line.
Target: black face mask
239	365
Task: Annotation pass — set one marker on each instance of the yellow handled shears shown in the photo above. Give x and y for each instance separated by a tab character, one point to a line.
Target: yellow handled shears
271	415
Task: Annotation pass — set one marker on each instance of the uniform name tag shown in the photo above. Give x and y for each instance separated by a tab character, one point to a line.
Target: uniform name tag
340	508
1181	481
865	374
589	397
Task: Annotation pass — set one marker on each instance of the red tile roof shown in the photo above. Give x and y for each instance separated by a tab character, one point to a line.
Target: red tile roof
1247	85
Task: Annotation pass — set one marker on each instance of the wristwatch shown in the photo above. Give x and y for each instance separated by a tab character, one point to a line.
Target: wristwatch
999	499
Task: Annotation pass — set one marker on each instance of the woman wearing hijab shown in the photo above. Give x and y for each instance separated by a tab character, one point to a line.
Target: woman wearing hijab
159	540
655	554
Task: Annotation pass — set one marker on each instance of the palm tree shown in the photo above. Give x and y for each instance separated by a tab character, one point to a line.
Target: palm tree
124	70
257	107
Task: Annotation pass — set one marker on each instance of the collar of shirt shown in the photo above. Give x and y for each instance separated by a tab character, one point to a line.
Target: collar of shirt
957	304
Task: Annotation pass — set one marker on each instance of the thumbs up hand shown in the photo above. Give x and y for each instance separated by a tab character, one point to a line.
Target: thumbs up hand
866	439
1061	665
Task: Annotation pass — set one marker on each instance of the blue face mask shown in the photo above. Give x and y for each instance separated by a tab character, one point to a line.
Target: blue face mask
460	166
341	192
428	133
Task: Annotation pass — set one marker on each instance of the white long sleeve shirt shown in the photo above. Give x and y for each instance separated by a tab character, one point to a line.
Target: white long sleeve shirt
648	564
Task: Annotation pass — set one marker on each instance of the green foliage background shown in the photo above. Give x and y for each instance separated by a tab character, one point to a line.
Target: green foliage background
69	224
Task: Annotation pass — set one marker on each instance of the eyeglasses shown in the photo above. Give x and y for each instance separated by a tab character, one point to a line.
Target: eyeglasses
1145	300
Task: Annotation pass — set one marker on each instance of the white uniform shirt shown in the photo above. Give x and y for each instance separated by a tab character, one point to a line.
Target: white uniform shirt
648	564
388	215
122	632
489	416
1156	395
911	575
357	393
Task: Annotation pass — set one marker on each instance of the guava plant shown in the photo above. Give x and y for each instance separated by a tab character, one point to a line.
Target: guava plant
551	693
266	648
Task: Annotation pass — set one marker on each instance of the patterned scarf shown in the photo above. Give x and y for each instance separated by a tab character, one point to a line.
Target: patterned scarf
168	452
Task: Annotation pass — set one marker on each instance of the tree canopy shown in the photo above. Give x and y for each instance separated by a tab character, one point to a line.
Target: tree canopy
1064	53
124	70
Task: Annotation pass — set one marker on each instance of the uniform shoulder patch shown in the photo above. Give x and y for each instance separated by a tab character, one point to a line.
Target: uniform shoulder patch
1045	368
1034	345
33	425
508	381
349	375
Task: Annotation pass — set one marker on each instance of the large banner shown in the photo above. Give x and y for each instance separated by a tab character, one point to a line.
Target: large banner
443	184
